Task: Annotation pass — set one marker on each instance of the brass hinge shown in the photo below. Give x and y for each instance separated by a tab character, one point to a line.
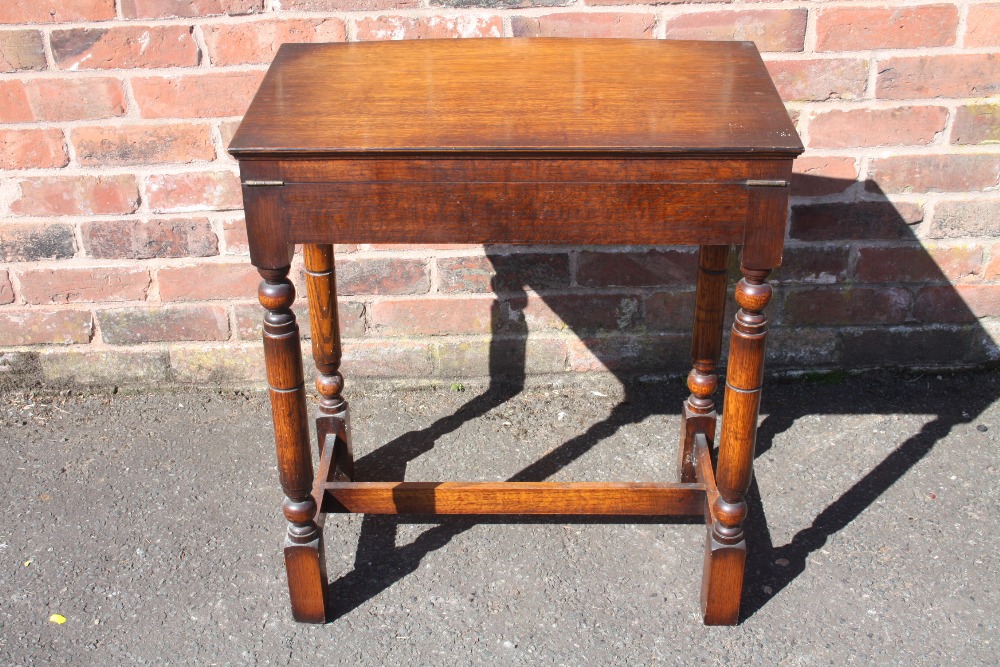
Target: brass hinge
260	184
767	184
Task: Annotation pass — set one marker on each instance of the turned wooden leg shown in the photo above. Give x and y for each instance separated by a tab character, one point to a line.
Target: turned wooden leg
725	553
333	426
699	415
304	559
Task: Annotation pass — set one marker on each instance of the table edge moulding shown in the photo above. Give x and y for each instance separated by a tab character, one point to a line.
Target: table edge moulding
543	141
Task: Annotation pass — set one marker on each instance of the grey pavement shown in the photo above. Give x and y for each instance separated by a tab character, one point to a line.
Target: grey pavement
151	522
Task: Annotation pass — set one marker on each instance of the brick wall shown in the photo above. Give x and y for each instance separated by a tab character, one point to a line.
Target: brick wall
123	257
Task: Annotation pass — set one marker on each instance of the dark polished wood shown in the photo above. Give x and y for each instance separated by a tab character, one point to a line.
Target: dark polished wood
517	141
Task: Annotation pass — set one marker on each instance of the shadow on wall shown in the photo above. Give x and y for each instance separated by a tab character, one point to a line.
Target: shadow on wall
864	292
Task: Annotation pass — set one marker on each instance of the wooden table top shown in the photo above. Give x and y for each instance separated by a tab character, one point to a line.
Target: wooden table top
531	96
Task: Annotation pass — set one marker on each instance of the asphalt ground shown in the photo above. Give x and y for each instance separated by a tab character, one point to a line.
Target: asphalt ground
151	522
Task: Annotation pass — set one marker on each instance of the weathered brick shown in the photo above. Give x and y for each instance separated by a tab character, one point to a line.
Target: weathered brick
31	242
671	311
428	27
432	317
389	275
208	281
498	358
32	149
218	365
196	95
993	267
77	195
503	273
105	368
194	191
819	80
769	29
131	326
72	285
347	5
124	47
257	42
14	106
671	266
872	221
863	28
24	326
915	125
983	26
815	176
387	358
934	173
833	306
234	234
156	9
351	315
823	264
137	239
56	11
585	24
905	347
801	348
574	312
142	144
955	219
500	4
631	354
75	99
6	288
21	50
956	303
916	263
977	124
957	75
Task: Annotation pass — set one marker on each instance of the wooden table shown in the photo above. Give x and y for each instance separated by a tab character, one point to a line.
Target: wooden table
517	141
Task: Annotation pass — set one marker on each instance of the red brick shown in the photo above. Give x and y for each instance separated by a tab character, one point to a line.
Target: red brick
347	5
32	327
876	127
814	264
197	95
881	347
126	46
503	273
862	221
632	269
14	107
977	124
625	353
155	9
959	75
428	27
864	28
819	176
32	149
136	239
957	303
351	315
31	242
916	263
769	29
983	26
574	312
56	11
585	24
429	317
77	195
6	288
67	285
388	359
837	306
934	173
389	275
194	191
21	50
993	268
208	281
142	144
670	310
955	219
234	234
819	80
257	42
130	326
76	99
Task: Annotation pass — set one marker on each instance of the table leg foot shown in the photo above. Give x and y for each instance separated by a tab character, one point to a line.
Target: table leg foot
306	567
722	581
